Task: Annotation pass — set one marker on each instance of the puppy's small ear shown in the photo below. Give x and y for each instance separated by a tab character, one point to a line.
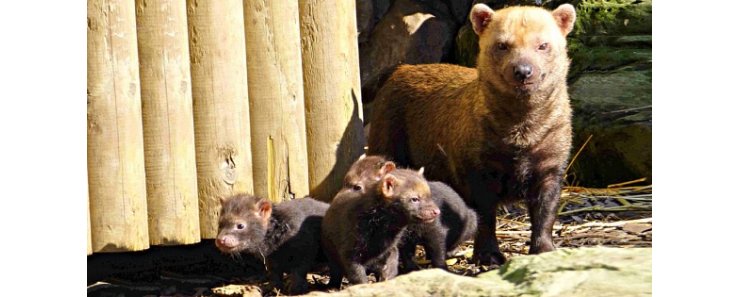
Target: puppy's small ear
421	171
388	186
480	17
565	17
387	167
264	209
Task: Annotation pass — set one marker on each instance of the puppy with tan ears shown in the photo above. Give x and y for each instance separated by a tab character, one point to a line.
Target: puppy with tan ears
361	229
457	222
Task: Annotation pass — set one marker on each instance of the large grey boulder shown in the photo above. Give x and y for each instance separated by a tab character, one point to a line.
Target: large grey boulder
580	272
565	272
430	282
611	91
615	108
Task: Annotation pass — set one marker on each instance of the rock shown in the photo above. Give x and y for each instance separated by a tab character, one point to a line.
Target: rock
637	228
380	8
365	21
369	13
237	290
616	108
605	57
412	32
611	92
466	46
565	272
429	282
581	272
460	9
614	17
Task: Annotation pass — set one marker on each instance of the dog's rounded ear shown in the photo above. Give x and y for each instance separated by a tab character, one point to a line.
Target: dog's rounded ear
480	17
387	167
388	185
264	210
565	17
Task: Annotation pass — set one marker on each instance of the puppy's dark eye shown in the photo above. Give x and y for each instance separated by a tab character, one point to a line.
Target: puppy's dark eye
543	46
415	199
502	46
239	226
357	187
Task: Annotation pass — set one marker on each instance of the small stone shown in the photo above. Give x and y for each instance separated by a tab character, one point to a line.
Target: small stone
238	290
637	228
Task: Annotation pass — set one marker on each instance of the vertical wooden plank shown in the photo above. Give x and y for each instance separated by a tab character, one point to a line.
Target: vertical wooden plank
115	148
220	105
89	234
331	81
167	110
276	99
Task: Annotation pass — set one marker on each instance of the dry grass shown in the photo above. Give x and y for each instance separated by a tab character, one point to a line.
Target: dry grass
616	216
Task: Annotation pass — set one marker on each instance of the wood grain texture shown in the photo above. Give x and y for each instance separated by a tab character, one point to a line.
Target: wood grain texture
276	99
115	148
331	81
167	111
220	105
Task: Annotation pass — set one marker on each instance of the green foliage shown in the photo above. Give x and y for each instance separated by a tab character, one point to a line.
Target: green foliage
613	17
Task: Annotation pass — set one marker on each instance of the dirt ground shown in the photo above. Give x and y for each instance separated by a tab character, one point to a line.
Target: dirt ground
613	217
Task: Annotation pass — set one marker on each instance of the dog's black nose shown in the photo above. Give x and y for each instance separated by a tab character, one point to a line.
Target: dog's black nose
522	72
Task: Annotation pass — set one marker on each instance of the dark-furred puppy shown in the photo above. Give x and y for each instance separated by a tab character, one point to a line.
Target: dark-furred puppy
286	235
496	133
366	170
361	230
457	221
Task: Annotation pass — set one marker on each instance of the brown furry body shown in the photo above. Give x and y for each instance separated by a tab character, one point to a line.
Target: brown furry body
491	133
456	224
361	230
288	235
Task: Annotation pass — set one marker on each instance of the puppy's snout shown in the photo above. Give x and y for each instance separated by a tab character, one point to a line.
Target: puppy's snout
522	72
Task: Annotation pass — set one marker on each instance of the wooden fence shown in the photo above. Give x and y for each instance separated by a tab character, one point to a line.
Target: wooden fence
191	101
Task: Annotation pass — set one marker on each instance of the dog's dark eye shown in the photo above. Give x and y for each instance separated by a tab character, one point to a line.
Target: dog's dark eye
415	199
543	46
357	187
502	46
239	226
